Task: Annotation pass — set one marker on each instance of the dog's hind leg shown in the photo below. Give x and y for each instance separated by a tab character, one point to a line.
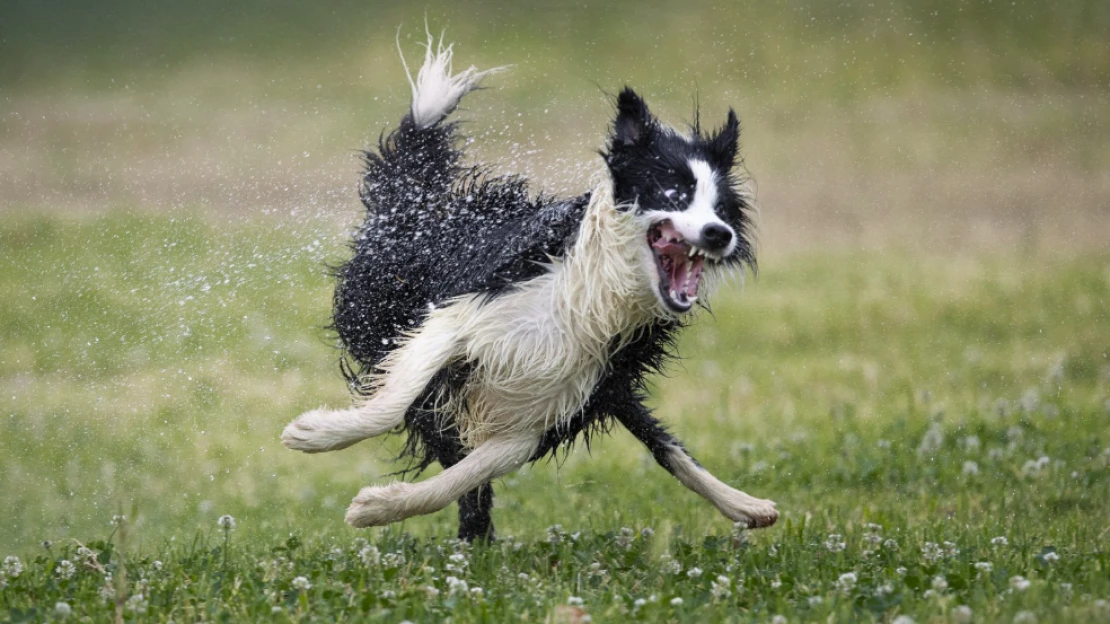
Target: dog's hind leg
475	519
380	505
406	372
669	453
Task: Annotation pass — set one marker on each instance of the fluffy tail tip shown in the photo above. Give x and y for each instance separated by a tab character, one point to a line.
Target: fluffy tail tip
436	91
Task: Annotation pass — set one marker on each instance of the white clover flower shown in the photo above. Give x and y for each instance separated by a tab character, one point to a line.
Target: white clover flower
369	555
721	588
1000	541
694	572
301	583
555	534
900	571
12	567
890	544
1025	617
393	560
776	583
639	602
778	619
815	600
108	589
118	519
671	565
1051	557
65	569
931	552
276	609
940	583
740	533
884	590
950	549
456	586
676	602
575	601
647	532
984	566
157	565
971	444
226	522
1020	583
1065	588
970	468
137	603
846	582
62	610
961	614
835	543
624	538
431	591
903	619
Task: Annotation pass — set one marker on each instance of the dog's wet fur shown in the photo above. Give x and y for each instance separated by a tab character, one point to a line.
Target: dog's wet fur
495	327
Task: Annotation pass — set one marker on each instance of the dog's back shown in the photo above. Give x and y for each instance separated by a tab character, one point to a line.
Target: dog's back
436	230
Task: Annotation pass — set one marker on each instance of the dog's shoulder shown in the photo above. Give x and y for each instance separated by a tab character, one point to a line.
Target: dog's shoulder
518	248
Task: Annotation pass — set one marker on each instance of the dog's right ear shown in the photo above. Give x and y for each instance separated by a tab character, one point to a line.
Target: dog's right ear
634	124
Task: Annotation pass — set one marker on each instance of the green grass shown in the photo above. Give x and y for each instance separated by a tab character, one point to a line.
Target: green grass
893	399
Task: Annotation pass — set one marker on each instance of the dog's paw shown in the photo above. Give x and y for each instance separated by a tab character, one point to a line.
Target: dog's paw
311	433
757	513
378	506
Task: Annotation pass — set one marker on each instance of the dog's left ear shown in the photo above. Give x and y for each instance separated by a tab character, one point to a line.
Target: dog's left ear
723	145
634	124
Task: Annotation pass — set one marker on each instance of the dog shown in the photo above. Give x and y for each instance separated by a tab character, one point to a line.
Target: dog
495	327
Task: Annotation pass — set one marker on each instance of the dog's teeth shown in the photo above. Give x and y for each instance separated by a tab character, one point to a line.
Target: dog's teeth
693	299
674	295
693	252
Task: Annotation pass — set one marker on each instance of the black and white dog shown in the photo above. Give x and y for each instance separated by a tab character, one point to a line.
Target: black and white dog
495	327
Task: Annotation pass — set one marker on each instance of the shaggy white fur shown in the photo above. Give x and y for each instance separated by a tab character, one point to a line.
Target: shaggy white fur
436	91
537	352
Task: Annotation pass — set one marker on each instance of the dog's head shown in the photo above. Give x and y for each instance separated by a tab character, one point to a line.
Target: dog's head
682	188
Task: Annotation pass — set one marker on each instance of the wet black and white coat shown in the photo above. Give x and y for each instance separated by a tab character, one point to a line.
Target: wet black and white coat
495	328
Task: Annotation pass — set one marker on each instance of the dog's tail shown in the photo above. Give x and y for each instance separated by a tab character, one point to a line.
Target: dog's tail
419	158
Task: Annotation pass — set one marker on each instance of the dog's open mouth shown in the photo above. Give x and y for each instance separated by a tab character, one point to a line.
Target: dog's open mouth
679	264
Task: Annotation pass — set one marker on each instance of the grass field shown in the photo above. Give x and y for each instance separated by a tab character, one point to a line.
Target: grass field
920	377
905	411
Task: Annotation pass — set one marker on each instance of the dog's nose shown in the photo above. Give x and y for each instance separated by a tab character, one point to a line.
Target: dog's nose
715	236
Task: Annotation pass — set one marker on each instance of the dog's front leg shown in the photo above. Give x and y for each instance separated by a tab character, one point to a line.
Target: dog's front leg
405	373
668	451
380	505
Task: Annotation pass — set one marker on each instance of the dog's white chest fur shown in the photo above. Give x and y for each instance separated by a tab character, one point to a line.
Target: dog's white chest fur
537	352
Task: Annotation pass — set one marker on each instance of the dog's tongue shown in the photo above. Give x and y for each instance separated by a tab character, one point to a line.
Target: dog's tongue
685	272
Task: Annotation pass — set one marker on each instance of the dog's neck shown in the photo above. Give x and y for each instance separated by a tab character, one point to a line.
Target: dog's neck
603	292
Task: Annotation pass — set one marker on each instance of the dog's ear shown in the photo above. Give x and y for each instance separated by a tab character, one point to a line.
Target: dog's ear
634	124
722	147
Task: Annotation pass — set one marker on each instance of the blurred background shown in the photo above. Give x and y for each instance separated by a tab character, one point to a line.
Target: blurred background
174	177
915	122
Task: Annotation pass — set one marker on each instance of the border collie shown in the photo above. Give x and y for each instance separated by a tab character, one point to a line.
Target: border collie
496	327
